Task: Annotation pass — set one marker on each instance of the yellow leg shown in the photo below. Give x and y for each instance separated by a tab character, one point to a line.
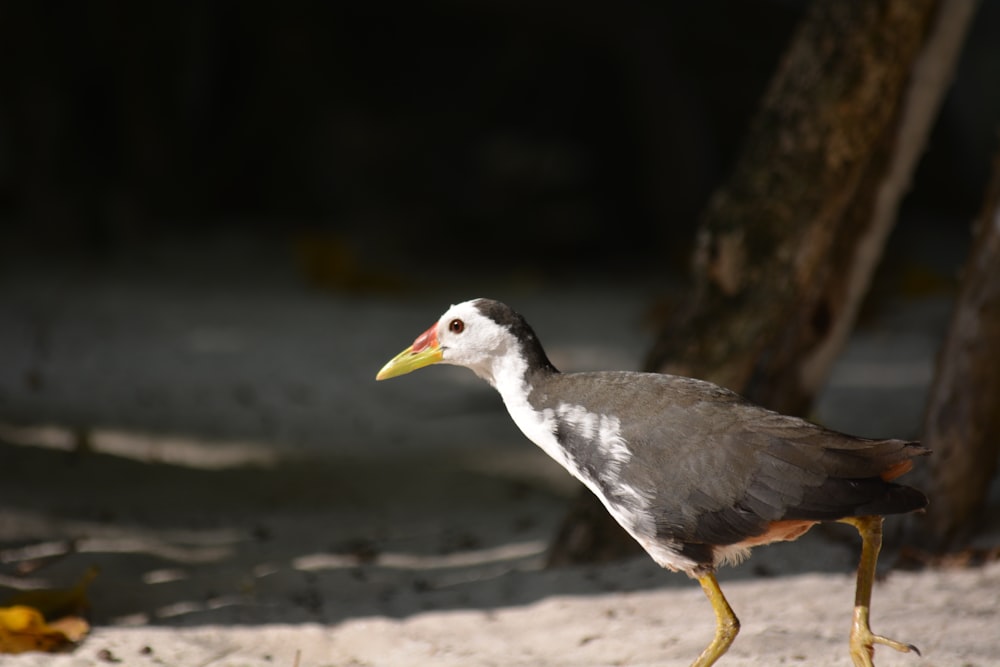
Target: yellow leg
726	624
863	640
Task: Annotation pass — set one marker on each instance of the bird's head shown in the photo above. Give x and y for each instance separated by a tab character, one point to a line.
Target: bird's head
480	335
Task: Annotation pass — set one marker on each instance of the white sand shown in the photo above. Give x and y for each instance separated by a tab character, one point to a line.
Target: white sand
395	524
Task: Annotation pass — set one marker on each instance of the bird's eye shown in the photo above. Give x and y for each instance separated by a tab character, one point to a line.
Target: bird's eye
456	326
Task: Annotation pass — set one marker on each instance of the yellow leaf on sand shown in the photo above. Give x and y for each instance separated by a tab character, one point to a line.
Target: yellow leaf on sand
56	603
24	629
22	622
74	627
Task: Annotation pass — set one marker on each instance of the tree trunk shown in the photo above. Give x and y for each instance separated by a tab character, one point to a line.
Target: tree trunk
962	425
787	247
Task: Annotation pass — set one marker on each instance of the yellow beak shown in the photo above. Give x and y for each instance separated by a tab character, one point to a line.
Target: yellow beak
424	352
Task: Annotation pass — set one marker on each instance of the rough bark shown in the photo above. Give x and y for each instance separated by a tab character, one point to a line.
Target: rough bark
787	247
962	424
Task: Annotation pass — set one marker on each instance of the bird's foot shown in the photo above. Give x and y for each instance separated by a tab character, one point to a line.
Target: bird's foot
863	641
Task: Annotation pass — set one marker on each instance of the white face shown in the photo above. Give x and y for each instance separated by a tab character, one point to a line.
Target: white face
468	338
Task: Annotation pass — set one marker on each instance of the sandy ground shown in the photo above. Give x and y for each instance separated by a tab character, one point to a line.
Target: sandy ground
219	449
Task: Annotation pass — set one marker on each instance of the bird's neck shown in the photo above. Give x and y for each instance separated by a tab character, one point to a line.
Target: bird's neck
514	372
507	374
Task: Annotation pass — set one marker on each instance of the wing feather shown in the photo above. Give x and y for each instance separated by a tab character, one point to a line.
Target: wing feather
719	470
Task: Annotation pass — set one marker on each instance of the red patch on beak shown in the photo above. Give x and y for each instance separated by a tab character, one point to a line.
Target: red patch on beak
425	340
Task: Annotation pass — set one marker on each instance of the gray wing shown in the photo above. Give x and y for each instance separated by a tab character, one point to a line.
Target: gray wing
719	469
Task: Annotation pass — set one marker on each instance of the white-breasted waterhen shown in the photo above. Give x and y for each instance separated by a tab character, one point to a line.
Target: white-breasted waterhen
695	473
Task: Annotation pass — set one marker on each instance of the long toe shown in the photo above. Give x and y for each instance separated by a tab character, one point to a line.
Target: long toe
892	643
863	647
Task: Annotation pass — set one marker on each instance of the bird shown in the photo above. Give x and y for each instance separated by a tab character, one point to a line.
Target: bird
694	472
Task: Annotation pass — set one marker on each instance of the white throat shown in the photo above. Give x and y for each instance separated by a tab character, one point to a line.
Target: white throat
506	373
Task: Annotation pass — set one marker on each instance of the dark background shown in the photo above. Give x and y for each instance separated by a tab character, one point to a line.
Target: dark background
165	168
506	135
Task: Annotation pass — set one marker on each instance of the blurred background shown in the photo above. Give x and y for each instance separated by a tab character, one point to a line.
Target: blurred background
192	193
220	219
537	137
